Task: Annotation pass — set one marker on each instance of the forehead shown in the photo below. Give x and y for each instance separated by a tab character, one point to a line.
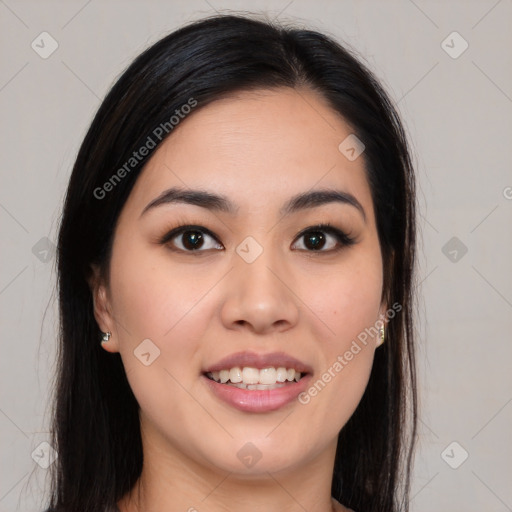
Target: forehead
258	148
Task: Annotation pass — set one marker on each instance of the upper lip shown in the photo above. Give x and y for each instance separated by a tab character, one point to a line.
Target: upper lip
259	361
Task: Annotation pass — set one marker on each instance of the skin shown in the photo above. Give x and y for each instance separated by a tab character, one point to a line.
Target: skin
259	149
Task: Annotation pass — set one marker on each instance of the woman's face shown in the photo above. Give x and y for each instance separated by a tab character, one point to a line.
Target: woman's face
248	287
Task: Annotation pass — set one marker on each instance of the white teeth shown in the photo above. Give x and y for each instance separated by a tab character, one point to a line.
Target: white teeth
235	375
268	376
253	378
281	374
250	375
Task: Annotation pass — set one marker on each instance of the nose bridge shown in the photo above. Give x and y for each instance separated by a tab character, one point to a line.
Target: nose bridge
258	295
255	263
250	250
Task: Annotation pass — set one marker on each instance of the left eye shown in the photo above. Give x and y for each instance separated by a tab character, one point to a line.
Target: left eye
316	239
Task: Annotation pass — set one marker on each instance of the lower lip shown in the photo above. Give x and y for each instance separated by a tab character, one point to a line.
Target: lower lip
257	400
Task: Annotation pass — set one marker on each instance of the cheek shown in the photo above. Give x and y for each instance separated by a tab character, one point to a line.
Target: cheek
163	303
348	304
166	305
347	301
152	295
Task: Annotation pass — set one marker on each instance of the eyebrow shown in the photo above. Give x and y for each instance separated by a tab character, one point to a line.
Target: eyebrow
221	203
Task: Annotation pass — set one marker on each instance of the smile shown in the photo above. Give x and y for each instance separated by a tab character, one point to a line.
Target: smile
255	379
257	397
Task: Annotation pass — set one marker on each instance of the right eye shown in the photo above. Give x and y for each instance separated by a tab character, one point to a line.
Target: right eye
190	238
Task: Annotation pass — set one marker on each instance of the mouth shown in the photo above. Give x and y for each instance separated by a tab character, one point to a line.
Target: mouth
252	382
253	390
255	379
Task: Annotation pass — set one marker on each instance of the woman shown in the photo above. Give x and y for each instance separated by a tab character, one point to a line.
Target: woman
239	233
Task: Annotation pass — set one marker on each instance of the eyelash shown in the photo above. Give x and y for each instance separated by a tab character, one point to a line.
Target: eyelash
341	237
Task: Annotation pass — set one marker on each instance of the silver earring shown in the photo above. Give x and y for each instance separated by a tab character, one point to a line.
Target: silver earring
106	337
382	336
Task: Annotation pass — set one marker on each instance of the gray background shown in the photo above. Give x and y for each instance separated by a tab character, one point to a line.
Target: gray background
458	115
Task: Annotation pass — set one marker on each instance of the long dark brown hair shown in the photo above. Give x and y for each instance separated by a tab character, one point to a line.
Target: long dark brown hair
95	422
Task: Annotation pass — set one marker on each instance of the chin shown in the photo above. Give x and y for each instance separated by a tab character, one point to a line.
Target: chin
256	457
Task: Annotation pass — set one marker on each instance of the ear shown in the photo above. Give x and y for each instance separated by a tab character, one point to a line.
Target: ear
102	308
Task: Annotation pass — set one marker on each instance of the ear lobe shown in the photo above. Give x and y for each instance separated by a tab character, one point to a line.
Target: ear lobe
102	308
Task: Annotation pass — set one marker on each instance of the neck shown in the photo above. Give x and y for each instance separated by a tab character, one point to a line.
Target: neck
171	481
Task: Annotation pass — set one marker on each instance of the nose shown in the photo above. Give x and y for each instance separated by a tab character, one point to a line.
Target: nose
259	296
